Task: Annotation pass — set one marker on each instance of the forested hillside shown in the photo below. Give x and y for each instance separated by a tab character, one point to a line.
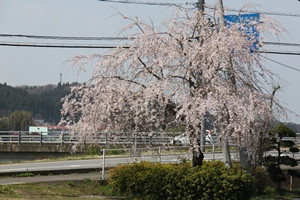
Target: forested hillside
44	102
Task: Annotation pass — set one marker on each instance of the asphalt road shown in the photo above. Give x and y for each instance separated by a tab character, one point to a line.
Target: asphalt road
98	163
91	164
78	165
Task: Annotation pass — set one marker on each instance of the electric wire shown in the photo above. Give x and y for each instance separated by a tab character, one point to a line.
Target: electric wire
282	64
62	37
280	52
69	46
259	12
46	37
102	46
282	44
206	6
143	3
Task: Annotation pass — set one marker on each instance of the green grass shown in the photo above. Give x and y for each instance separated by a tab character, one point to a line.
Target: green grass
272	194
84	190
63	190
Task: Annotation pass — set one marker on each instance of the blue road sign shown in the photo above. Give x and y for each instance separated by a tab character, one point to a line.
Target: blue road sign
247	20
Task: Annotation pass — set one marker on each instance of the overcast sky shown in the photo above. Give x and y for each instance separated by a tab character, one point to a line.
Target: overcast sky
40	66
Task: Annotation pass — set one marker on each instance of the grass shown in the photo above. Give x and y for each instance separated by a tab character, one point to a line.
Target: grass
272	194
99	190
61	191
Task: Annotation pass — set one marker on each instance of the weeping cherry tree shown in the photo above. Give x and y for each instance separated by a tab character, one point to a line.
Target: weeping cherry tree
184	68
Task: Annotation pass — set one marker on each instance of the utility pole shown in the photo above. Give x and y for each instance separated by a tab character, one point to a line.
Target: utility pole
200	6
220	11
60	78
226	151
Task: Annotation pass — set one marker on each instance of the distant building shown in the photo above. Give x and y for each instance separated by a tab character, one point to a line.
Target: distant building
38	130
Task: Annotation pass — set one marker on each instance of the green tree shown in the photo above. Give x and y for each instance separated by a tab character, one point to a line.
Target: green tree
17	121
277	142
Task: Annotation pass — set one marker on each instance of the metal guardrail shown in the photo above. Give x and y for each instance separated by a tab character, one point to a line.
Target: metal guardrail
21	137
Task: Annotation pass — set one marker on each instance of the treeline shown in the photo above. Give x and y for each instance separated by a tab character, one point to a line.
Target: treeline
44	102
17	121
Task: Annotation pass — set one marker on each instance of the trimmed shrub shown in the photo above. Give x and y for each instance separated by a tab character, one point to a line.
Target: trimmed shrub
181	181
261	180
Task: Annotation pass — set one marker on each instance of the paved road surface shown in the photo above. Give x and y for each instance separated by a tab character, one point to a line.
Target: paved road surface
88	164
97	163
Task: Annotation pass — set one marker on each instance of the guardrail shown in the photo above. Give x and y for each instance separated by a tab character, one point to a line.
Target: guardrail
22	137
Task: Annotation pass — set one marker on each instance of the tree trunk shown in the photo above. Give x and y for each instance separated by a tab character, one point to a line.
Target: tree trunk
198	157
226	153
244	160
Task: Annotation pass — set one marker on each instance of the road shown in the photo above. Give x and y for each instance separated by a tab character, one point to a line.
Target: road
98	163
92	163
80	165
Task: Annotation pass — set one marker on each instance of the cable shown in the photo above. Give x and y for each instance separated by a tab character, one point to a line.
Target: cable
282	44
12	44
259	12
143	2
280	52
104	38
22	44
62	37
287	66
209	7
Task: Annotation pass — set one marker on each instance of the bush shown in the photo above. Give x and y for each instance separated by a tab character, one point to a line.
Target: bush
261	180
181	181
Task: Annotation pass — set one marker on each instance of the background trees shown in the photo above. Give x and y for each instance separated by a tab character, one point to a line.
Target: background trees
41	101
17	121
188	63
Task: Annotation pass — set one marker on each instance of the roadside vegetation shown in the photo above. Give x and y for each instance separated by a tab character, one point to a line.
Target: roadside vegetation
182	181
82	190
145	180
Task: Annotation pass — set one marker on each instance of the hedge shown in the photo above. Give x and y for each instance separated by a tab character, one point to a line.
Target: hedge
157	181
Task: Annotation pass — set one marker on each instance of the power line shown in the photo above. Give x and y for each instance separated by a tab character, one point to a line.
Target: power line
105	38
195	4
260	12
102	46
282	44
287	66
62	37
68	46
143	2
280	52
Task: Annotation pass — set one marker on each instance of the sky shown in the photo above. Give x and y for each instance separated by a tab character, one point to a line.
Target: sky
92	18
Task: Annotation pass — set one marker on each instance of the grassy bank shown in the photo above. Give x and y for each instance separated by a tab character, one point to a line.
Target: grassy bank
88	189
80	190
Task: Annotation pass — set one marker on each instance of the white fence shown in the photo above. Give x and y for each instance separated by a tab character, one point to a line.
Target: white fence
171	154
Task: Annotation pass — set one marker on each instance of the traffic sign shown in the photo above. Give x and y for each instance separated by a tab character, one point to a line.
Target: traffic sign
248	21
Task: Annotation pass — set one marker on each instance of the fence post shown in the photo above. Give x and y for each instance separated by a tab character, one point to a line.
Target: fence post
103	163
159	154
213	158
62	138
41	138
134	147
19	138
